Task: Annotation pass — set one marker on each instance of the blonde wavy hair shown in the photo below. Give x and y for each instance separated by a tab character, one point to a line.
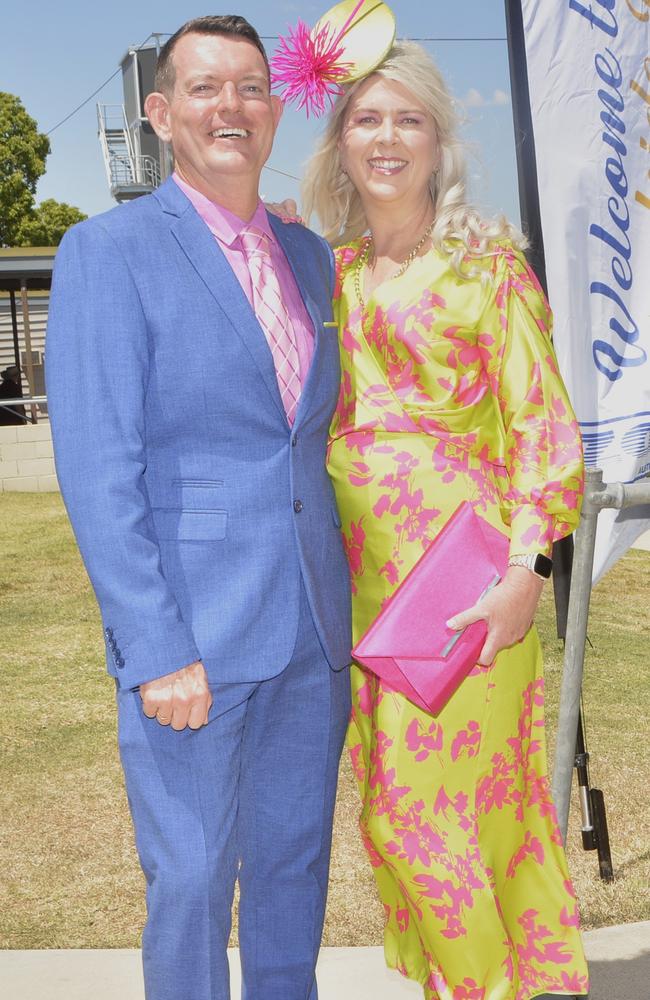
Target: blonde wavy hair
459	231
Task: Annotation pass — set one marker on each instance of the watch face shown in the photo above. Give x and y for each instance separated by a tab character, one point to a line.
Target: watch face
543	566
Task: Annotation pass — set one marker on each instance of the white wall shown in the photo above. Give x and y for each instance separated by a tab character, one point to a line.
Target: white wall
38	306
26	459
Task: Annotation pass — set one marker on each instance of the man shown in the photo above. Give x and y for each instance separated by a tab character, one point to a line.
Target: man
11	388
191	456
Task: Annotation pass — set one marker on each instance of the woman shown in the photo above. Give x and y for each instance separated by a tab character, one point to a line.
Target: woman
450	392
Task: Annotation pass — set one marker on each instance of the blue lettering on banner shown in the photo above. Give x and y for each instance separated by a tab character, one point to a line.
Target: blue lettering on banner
637	440
623	351
608	25
618	438
595	445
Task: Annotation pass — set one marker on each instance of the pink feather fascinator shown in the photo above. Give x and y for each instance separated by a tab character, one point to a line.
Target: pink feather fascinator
349	41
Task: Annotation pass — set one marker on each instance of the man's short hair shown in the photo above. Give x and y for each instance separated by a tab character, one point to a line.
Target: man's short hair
214	24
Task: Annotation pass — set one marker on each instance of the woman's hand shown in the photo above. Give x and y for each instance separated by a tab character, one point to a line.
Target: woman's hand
286	211
508	609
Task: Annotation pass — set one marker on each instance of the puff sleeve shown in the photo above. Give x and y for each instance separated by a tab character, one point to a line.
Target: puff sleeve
542	489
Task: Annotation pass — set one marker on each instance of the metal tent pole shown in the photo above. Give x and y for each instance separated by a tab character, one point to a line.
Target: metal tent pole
574	649
598	495
14	327
27	334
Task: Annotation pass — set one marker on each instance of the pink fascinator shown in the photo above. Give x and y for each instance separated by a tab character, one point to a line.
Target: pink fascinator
348	42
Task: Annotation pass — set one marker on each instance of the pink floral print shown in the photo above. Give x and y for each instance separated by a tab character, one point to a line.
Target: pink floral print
450	392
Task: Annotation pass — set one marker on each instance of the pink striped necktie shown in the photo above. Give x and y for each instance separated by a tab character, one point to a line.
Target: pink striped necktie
273	316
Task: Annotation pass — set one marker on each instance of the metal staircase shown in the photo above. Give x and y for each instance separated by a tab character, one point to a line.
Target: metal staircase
129	174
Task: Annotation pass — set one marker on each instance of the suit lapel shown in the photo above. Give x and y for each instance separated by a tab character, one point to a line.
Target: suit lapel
202	250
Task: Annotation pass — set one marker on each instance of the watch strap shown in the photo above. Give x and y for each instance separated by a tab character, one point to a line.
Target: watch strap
536	562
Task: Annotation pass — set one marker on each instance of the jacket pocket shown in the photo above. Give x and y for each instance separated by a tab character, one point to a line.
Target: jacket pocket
190	525
197	483
198	494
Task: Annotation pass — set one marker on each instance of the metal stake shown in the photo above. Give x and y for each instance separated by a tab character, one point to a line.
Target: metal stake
574	650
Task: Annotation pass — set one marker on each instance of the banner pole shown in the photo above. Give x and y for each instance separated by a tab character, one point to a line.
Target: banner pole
531	220
570	735
576	637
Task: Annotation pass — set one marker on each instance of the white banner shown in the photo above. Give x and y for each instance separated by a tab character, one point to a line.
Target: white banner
589	80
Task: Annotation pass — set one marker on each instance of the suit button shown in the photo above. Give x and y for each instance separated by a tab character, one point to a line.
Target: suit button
120	662
294	440
297	506
108	631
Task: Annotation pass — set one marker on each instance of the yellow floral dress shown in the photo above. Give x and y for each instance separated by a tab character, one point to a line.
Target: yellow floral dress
450	392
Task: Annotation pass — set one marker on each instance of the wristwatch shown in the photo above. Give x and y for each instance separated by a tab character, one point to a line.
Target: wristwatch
537	563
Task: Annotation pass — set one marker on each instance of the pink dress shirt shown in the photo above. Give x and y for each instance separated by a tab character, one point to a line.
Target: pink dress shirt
226	227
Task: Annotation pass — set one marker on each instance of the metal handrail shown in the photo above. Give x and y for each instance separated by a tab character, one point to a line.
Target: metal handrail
8	404
124	169
23	400
112	118
109	115
127	170
598	495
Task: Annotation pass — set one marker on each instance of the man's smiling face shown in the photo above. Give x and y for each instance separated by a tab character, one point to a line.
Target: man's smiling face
220	117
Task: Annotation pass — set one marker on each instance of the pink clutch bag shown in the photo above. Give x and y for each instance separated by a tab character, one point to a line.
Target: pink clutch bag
409	645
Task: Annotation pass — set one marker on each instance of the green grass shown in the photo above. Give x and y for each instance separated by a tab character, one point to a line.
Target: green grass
70	874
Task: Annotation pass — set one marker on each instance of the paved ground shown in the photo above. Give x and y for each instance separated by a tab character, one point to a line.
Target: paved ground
619	959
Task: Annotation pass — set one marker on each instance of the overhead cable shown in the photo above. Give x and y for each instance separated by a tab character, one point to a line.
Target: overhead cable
273	38
83	103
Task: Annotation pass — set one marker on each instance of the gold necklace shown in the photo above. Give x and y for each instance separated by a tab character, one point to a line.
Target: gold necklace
364	257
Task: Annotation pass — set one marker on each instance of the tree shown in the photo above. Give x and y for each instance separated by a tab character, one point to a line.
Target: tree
23	151
47	224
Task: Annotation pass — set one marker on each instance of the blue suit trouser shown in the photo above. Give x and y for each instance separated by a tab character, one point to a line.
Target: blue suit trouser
250	796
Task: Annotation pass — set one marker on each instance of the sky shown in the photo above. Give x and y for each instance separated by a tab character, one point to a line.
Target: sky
54	56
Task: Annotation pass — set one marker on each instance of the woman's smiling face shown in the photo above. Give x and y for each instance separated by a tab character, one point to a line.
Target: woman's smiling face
389	146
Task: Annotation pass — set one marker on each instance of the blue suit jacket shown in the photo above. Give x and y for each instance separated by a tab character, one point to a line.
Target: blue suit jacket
196	507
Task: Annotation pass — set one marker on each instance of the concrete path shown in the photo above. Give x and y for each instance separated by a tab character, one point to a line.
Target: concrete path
619	959
643	542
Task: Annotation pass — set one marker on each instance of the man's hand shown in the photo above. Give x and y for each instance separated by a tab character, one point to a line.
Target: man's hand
509	610
180	699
